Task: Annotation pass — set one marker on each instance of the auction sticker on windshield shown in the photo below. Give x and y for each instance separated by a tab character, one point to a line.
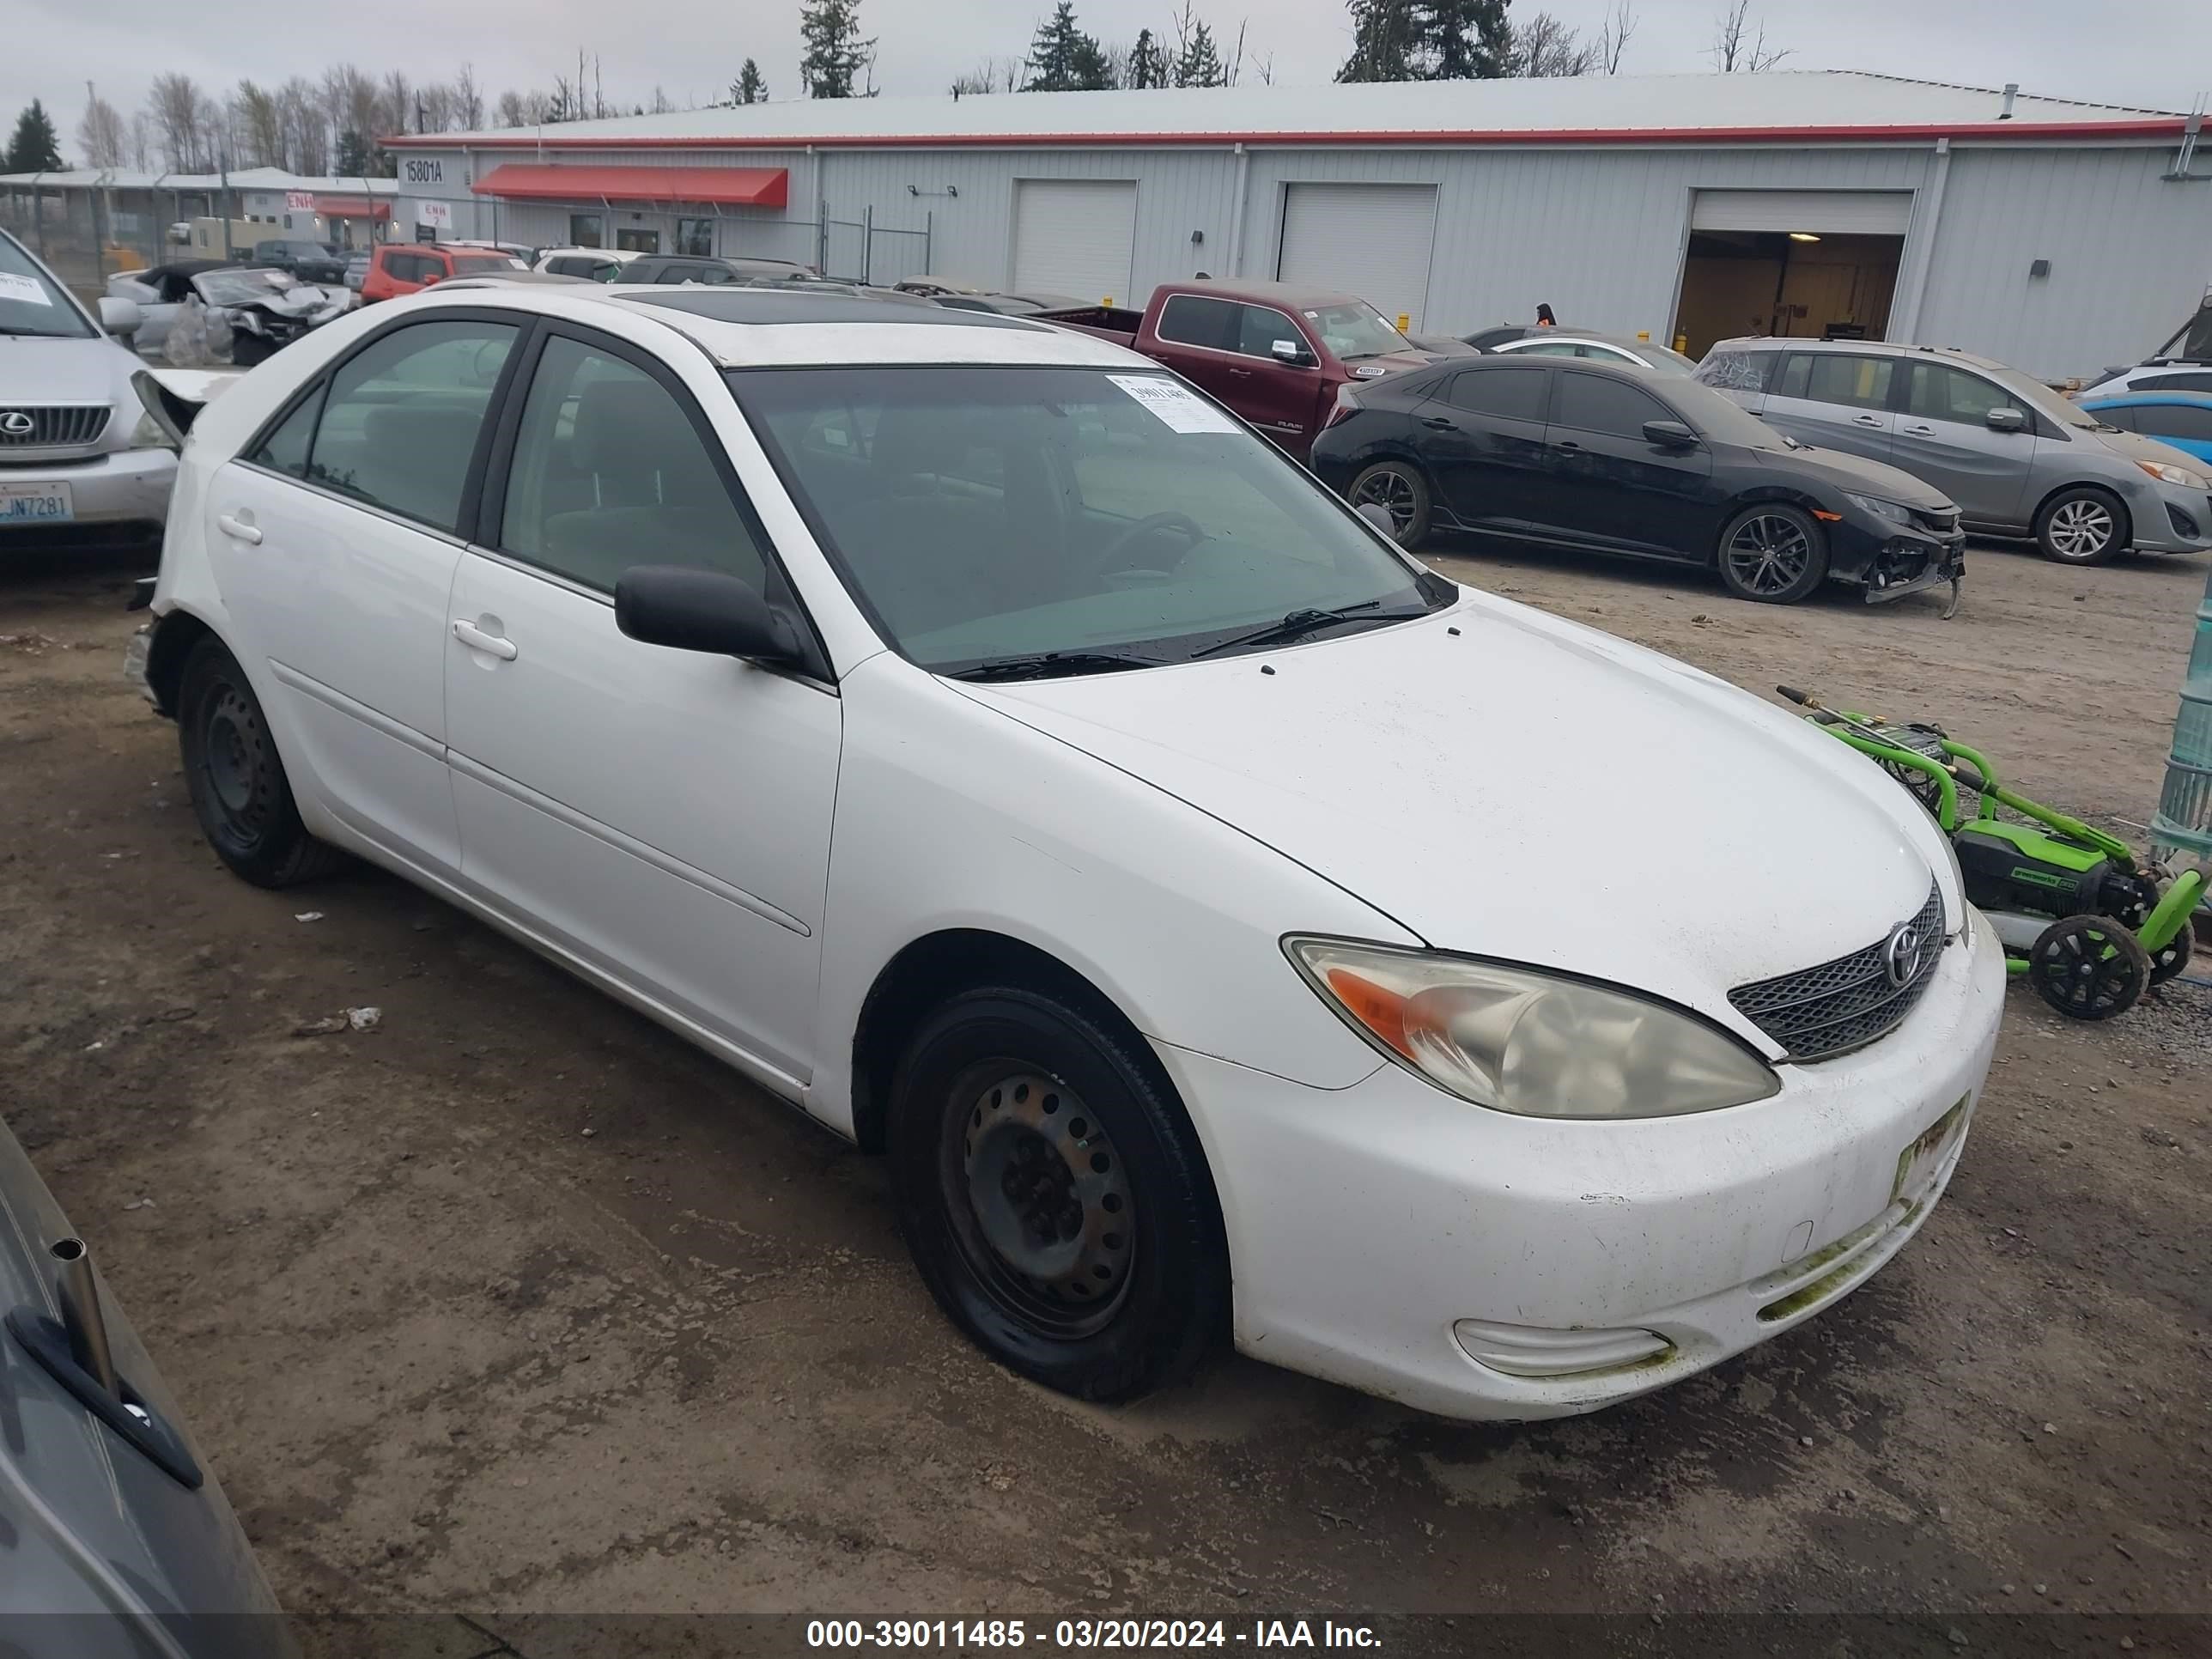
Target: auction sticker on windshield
29	290
1174	404
36	503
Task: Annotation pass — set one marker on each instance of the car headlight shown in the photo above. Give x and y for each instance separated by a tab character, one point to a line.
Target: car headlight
1519	1041
2175	474
1880	508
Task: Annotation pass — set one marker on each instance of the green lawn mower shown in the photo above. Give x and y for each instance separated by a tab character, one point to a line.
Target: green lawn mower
2091	928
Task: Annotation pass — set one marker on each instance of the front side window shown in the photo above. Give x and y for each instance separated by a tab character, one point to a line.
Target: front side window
695	237
1595	402
400	421
32	303
2183	421
610	472
587	230
1194	319
1939	392
1853	382
1260	326
2176	382
987	515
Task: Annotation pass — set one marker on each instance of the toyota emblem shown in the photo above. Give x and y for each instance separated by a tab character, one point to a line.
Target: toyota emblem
16	423
1900	954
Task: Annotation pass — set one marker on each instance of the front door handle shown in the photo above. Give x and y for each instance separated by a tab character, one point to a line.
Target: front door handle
1874	420
1921	431
1440	422
240	526
477	640
1240	373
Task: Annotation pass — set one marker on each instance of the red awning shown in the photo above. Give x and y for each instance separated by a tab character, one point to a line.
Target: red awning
347	207
526	181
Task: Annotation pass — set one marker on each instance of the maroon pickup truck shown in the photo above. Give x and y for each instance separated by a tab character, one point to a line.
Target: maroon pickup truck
1272	353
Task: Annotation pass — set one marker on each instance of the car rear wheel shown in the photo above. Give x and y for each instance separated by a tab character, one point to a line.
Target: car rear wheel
2082	525
1055	1197
1399	488
239	790
1773	554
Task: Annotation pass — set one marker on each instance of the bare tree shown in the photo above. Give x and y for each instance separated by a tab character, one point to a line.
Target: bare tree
468	99
1543	48
1613	38
101	135
306	132
434	106
1740	44
173	105
141	142
257	127
395	103
507	113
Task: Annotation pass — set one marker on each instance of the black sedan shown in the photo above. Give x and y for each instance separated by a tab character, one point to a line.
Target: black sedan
1631	461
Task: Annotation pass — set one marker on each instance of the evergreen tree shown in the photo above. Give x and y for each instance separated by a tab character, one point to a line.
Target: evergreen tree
35	147
835	56
1428	40
1063	59
1199	64
353	158
1148	62
749	87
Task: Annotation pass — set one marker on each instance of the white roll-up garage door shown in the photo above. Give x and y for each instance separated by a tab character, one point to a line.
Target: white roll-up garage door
1833	212
1075	236
1369	239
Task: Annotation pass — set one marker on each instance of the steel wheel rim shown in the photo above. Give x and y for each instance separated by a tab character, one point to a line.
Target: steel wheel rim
1039	1198
1392	491
2084	970
2082	528
233	763
1769	553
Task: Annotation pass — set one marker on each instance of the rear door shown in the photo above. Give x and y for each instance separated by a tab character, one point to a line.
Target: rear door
1943	437
1836	400
334	539
1612	486
1481	432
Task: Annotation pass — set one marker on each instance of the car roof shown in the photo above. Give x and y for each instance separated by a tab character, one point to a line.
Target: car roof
1288	295
1579	336
1659	381
1859	348
760	328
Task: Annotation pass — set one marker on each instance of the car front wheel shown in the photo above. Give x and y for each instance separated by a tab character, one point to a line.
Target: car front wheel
239	790
1054	1196
2082	525
1772	553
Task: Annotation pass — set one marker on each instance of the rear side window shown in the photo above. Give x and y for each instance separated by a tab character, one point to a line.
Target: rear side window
2169	421
610	472
1940	392
404	267
570	265
1194	319
463	264
2123	418
1737	371
1508	394
1592	403
1835	378
2175	383
400	419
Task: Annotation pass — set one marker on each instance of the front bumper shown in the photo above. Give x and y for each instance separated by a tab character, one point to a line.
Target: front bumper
1888	560
1367	1225
2171	520
122	487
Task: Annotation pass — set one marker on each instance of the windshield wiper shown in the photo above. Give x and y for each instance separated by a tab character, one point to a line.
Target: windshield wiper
1299	623
1050	663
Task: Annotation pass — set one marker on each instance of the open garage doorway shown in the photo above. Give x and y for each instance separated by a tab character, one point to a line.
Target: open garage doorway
1812	263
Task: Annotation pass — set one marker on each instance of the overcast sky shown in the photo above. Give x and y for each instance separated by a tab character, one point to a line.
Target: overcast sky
2154	52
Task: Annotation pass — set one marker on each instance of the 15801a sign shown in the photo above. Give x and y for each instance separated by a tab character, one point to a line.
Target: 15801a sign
423	171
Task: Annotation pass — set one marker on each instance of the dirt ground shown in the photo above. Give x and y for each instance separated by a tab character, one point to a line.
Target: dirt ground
516	1305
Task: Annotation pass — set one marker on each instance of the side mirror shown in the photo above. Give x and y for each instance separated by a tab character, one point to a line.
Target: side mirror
1669	435
2007	420
688	609
119	316
1292	353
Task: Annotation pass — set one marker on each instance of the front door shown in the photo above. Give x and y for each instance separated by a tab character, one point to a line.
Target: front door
1616	487
334	542
1944	438
1482	434
663	815
1835	400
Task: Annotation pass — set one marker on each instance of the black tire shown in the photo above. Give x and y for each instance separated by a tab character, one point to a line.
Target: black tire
1054	1196
2088	967
1772	553
2166	962
236	778
2082	525
1399	490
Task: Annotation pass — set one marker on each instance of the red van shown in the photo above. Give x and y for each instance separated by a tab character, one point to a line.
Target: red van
399	268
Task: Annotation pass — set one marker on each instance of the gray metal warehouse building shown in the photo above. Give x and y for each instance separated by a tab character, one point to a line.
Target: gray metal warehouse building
2061	236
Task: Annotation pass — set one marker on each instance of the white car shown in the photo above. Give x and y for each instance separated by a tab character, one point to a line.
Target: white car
80	459
596	264
989	745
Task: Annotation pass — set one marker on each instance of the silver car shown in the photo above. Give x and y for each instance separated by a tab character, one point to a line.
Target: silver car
2017	458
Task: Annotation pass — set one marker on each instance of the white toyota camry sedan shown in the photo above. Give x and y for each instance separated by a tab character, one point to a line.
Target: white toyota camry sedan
1226	925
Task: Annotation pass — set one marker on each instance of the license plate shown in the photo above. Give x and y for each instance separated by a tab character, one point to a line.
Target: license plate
36	503
1918	1163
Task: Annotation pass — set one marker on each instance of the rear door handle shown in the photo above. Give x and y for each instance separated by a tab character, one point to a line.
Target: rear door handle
1874	420
1439	422
477	640
241	526
1921	431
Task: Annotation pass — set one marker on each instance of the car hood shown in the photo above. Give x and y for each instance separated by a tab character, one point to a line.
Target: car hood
1503	783
34	371
1842	471
2137	447
1392	363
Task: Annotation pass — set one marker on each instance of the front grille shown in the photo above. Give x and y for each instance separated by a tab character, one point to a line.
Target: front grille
52	426
1847	1003
1939	524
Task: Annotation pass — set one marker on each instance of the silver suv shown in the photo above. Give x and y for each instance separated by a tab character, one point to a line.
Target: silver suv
2017	458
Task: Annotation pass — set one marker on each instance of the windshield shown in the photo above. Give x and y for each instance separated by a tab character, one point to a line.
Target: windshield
2034	394
231	287
31	303
989	513
1718	417
2194	341
1354	330
1660	357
